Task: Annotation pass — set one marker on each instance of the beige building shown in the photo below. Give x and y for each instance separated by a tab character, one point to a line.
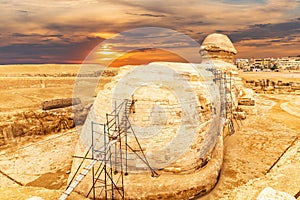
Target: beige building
289	63
242	63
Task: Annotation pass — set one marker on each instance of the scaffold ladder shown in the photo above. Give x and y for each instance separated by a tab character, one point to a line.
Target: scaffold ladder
109	174
73	183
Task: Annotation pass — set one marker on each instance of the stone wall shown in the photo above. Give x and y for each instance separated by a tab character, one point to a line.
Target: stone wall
267	86
14	126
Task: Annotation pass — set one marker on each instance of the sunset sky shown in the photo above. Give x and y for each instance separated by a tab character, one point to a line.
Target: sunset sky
65	31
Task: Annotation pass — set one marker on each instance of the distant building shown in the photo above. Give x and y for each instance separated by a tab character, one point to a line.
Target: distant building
289	63
256	69
267	64
242	63
264	63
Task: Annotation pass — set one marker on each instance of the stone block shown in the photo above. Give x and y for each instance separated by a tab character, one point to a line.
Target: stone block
295	87
60	103
249	110
239	115
246	102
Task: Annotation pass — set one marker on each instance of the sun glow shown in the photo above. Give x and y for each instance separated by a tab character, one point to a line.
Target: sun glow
106	53
104	35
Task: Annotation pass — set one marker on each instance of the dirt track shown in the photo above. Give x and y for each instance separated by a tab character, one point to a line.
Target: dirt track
252	151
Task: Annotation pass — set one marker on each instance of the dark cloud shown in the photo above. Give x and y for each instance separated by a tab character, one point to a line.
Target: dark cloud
221	31
198	23
165	7
60	27
146	15
36	35
25	12
53	52
264	31
244	1
262	44
276	40
88	27
260	25
145	49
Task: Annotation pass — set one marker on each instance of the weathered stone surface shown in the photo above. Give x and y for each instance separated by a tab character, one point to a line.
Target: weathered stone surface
218	47
218	42
159	112
157	116
267	86
246	102
269	193
239	115
60	103
27	123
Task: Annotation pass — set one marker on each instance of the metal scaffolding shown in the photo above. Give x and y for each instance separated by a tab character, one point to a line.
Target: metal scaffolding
109	161
224	82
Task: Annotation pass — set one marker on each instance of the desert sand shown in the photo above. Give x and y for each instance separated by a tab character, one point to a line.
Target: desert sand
263	152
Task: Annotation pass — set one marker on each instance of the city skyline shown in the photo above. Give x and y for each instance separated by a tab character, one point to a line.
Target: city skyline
65	31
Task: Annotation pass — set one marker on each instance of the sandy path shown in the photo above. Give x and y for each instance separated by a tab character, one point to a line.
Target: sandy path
292	106
43	162
284	176
251	151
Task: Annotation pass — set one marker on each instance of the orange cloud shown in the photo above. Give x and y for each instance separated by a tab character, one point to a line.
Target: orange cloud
146	56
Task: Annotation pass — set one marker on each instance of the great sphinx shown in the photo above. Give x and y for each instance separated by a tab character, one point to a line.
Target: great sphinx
156	131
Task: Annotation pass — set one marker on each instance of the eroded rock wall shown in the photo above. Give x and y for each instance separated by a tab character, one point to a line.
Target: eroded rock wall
13	126
267	86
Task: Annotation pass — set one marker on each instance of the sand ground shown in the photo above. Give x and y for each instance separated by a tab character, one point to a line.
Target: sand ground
252	151
274	76
41	164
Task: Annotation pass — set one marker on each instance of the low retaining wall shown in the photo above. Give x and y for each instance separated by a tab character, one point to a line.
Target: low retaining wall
267	86
38	122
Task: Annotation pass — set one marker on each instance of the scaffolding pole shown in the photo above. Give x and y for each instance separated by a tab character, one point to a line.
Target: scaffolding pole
109	160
